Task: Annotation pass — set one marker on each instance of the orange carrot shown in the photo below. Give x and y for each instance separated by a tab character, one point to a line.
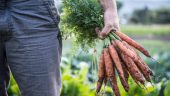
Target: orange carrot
125	71
115	58
108	63
133	69
118	66
105	78
126	74
114	85
124	49
133	43
101	72
110	71
145	70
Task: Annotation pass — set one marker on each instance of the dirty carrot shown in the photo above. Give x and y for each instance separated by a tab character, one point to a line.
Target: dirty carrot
133	43
133	69
110	71
116	59
114	85
126	74
145	70
117	63
101	72
124	49
125	71
108	63
105	78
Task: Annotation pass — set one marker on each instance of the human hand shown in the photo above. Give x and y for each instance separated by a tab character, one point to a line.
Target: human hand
111	23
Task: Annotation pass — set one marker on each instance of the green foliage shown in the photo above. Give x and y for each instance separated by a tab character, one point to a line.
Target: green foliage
76	84
167	89
146	16
119	5
13	90
79	19
162	69
141	16
161	16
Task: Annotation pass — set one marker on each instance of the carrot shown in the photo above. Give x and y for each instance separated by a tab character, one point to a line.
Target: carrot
117	63
115	58
145	70
105	78
125	71
108	63
101	72
114	85
110	71
124	49
133	69
126	74
133	43
129	64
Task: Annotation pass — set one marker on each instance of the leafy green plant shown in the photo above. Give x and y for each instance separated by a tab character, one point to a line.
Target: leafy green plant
79	19
161	71
76	84
13	89
167	88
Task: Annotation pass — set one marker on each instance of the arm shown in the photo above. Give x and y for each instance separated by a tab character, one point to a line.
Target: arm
108	4
111	21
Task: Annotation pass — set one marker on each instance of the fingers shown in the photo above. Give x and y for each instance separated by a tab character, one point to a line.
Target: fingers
98	32
105	31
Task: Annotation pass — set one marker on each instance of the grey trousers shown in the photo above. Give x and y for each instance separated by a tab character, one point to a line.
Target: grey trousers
30	45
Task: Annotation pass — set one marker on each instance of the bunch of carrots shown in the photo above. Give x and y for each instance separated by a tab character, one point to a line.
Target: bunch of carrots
120	55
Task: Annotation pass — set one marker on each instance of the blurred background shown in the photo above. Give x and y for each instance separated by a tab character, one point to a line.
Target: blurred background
146	21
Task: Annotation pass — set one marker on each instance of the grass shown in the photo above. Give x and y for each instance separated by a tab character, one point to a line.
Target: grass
146	29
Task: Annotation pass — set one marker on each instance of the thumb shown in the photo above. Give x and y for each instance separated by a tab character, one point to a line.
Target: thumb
106	30
97	29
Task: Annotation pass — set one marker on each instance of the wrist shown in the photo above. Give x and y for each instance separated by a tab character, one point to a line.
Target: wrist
112	12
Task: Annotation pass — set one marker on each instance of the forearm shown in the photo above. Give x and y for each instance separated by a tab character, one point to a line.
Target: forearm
111	20
109	5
